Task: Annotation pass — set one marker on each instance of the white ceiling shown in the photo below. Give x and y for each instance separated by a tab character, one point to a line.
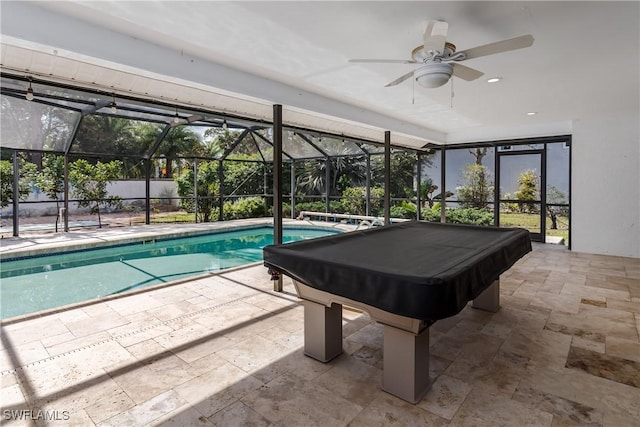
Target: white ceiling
244	56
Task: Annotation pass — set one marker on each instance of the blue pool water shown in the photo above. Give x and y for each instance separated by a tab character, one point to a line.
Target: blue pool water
43	282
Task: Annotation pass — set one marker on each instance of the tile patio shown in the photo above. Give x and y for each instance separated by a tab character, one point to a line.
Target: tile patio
226	350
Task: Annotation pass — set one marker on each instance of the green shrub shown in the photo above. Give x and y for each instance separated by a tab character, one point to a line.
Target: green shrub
246	207
404	210
469	216
431	215
335	206
354	200
460	216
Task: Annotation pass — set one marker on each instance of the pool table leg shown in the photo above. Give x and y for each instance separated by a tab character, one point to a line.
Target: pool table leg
489	299
405	372
322	330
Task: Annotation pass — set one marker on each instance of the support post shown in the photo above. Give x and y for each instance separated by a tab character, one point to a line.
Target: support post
66	192
496	189
322	330
293	190
489	299
387	177
265	186
327	177
16	194
405	371
195	189
147	192
277	184
221	190
418	184
443	192
367	211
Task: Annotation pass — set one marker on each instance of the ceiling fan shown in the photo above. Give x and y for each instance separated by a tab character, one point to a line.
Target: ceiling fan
440	59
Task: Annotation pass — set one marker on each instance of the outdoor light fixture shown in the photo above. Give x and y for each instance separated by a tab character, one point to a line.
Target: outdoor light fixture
176	119
434	74
224	124
29	95
112	106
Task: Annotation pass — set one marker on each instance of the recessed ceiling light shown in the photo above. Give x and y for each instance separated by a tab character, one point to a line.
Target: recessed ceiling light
494	79
532	113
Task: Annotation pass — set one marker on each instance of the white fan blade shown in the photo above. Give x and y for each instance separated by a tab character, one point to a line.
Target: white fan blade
466	73
383	61
400	79
499	47
435	36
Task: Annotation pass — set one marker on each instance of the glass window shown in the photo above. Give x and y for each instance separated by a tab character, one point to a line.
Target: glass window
468	170
558	171
430	181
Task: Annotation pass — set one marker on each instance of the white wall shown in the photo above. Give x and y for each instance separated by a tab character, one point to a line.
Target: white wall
135	188
606	185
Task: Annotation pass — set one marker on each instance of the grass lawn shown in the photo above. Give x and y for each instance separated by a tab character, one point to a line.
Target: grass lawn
173	217
532	223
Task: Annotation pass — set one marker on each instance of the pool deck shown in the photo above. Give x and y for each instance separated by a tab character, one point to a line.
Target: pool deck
225	350
34	244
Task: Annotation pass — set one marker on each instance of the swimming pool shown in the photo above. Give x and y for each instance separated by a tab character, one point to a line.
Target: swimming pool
37	283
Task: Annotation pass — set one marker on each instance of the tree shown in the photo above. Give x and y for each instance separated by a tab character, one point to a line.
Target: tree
528	192
556	197
26	171
180	141
89	184
239	178
479	153
106	135
219	140
242	177
403	171
344	171
50	180
208	189
477	189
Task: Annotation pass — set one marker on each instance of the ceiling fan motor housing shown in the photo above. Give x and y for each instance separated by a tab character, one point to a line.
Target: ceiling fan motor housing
434	74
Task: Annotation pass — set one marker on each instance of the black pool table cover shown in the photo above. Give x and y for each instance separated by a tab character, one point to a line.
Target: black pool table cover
417	269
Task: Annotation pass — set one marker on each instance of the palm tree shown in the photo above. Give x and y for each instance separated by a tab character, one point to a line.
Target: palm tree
345	171
180	141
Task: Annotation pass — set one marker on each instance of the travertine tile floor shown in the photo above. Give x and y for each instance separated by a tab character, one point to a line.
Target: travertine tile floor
227	351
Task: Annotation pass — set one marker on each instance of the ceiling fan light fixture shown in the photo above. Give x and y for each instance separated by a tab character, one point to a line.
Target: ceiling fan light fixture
433	75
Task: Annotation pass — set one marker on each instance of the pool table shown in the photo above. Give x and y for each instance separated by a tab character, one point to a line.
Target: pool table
406	276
